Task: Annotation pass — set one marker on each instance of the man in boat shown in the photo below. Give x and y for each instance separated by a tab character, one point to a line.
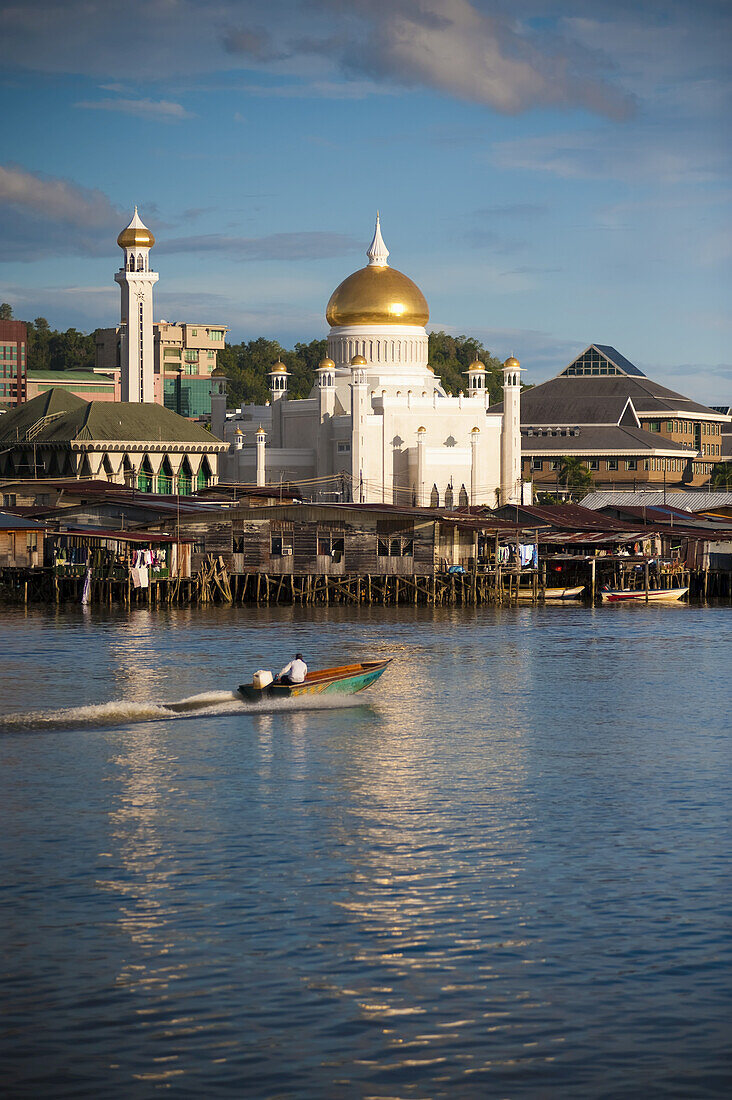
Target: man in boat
294	672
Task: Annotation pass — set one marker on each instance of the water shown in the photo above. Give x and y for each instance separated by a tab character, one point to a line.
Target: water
504	872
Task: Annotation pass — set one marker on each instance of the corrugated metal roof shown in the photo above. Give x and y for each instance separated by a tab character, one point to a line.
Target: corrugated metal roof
688	499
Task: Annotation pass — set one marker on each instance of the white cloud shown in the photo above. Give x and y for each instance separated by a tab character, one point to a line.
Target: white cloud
629	155
275	246
157	110
46	216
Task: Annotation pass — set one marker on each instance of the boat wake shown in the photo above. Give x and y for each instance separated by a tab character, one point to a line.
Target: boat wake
123	712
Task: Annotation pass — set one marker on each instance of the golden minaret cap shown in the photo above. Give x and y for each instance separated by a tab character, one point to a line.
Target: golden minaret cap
136	234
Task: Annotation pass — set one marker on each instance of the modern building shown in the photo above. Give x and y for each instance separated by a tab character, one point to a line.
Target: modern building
13	367
628	430
162	362
378	425
139	444
88	385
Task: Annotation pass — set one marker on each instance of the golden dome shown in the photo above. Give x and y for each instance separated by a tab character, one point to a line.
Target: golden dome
358	361
474	430
279	368
136	234
511	363
377	295
421	429
477	365
326	364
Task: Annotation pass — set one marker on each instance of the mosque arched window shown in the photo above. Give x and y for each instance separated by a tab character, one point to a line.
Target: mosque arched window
131	264
140	263
434	497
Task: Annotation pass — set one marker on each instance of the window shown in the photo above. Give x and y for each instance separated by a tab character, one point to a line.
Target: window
331	544
612	464
344	448
669	425
211	354
646	463
280	544
537	464
9	500
191	355
216	334
556	464
194	332
594	464
237	544
398	546
654	425
631	464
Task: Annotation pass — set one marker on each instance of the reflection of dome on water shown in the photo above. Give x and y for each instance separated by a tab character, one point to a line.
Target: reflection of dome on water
377	294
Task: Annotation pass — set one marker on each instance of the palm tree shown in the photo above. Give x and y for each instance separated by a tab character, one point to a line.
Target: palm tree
722	476
574	473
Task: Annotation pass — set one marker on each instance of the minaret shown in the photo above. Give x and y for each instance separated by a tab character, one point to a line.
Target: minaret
359	408
377	251
511	433
136	282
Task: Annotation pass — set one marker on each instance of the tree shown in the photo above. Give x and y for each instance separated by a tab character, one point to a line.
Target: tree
574	473
721	478
6	311
71	350
450	357
247	366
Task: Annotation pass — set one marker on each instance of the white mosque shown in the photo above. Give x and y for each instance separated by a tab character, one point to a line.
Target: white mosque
378	427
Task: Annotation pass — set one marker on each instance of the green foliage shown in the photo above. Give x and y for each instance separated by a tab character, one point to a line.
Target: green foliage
50	349
721	478
574	474
247	365
6	311
450	357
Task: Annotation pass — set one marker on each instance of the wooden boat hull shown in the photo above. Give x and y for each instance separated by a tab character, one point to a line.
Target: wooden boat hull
344	680
555	593
657	595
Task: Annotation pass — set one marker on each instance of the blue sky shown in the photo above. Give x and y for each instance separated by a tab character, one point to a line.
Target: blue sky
550	174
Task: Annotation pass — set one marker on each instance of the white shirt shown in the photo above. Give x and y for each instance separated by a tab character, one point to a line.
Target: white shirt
296	670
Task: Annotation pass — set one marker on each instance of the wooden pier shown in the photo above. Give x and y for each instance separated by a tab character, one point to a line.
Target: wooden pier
213	583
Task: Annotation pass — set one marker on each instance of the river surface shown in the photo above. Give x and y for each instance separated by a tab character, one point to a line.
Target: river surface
504	872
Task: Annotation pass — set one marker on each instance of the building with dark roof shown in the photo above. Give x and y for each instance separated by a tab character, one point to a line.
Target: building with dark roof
141	444
88	385
628	430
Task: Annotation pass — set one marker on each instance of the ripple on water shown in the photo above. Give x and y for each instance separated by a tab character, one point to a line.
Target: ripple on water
504	875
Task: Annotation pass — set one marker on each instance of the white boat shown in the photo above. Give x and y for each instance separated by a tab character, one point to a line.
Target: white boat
553	593
639	595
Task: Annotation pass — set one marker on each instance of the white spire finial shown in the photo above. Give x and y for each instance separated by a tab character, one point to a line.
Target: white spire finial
378	253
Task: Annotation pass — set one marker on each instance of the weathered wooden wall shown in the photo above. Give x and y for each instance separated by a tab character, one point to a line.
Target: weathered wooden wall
245	544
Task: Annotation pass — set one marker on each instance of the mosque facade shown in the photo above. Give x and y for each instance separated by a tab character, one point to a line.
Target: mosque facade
378	426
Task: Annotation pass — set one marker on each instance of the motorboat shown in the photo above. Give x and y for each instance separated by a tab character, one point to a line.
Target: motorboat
343	680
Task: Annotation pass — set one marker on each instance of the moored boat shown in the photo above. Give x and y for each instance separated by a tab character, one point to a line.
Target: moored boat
639	595
344	680
573	593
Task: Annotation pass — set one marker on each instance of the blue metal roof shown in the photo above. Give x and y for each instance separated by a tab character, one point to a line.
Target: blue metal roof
10	522
619	360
